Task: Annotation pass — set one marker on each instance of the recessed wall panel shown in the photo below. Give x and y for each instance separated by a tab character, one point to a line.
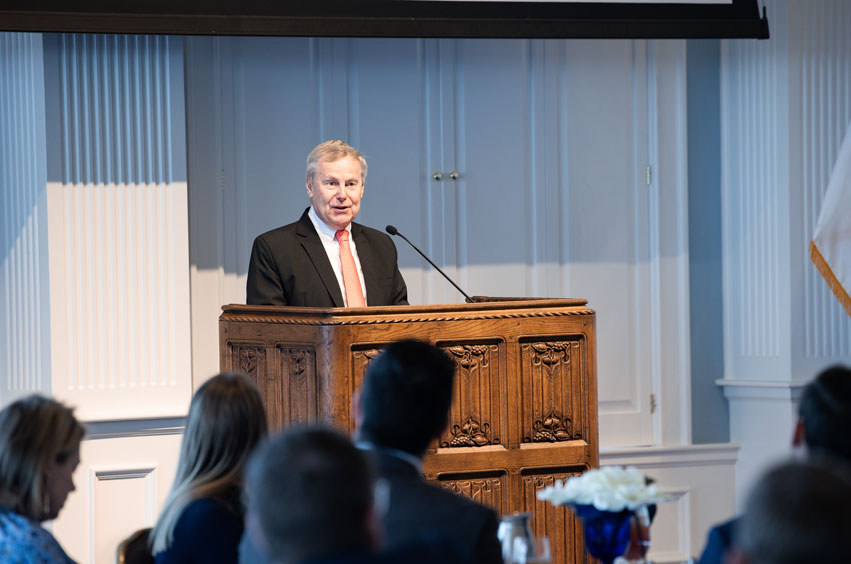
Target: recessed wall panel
119	226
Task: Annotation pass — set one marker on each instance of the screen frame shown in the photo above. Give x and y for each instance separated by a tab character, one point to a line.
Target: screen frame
394	18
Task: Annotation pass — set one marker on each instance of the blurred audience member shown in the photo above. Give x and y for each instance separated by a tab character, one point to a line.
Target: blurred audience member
798	513
311	500
202	518
39	450
403	406
824	417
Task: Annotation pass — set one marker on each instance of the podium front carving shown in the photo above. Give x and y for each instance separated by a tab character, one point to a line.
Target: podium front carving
524	410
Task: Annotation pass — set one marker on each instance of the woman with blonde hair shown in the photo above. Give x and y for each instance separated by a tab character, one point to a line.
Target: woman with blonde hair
39	450
202	519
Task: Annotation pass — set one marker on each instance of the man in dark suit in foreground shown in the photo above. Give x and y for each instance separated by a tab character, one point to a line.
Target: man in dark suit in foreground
324	257
403	405
824	417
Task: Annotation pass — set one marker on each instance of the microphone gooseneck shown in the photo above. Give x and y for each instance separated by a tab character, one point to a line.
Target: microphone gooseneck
393	231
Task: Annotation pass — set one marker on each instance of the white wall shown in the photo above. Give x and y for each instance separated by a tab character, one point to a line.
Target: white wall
95	277
786	104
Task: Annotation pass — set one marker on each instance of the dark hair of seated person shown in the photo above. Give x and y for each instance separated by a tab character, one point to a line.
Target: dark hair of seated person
406	396
312	493
825	411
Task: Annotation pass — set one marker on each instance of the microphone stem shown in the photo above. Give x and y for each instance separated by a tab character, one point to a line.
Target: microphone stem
469	299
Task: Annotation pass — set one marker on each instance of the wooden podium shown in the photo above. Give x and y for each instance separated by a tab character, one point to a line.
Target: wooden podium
524	412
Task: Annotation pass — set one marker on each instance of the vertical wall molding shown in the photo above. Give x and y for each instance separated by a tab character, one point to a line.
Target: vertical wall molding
119	227
785	106
751	189
824	118
24	291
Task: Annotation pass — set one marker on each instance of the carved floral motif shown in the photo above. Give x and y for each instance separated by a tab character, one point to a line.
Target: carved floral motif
472	356
297	362
551	354
470	433
247	362
371	353
553	427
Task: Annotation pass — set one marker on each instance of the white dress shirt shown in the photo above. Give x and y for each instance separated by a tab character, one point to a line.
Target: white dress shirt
332	249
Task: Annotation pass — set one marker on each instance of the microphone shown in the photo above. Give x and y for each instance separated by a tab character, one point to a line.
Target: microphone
393	231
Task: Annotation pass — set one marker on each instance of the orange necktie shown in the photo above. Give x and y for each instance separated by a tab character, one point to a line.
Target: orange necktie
354	293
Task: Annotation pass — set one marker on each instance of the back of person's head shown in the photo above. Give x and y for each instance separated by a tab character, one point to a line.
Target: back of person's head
34	432
226	421
312	492
798	513
825	412
406	396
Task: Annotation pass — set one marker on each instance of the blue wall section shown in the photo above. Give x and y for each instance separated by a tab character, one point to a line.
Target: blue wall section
710	413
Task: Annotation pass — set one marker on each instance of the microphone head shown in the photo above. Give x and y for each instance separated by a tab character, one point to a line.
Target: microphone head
392	230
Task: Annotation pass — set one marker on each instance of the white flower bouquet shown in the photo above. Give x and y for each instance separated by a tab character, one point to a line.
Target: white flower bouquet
610	488
612	503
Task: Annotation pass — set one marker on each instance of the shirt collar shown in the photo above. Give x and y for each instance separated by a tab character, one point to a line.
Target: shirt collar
323	228
394	452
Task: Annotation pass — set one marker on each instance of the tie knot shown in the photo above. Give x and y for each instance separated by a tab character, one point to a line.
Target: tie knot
341	235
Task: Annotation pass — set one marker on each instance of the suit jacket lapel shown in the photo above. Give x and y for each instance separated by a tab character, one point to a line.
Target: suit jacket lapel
312	245
368	263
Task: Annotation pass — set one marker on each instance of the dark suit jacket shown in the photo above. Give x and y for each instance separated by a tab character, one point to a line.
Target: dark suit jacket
418	509
289	266
719	539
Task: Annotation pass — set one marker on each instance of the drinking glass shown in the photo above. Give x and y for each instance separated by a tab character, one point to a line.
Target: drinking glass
532	550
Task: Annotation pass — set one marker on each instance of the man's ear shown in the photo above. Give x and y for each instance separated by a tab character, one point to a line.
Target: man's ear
308	186
799	434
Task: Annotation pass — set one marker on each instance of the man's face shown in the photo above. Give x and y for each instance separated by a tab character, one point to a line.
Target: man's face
335	191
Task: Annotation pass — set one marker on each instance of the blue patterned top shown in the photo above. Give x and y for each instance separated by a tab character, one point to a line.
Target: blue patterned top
25	541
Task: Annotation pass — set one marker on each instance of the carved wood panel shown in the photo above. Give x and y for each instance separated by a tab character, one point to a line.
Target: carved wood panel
551	406
249	359
361	359
475	419
292	396
488	488
524	370
559	523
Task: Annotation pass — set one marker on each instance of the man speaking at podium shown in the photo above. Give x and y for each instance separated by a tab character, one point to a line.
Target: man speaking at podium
324	259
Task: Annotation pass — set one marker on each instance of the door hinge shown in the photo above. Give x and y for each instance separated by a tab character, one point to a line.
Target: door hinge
652	403
648	172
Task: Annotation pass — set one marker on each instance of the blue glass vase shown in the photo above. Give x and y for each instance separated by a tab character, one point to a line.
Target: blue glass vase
607	533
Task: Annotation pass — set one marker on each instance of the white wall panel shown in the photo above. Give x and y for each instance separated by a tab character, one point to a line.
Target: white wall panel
606	222
24	289
119	228
754	189
825	116
786	104
122	481
701	480
136	488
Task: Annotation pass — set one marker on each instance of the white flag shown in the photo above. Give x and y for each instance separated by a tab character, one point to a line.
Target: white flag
830	249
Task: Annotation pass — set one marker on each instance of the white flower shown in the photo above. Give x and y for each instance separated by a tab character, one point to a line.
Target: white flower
610	488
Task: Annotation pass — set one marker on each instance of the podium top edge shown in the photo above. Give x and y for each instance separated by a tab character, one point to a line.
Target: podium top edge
319	312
